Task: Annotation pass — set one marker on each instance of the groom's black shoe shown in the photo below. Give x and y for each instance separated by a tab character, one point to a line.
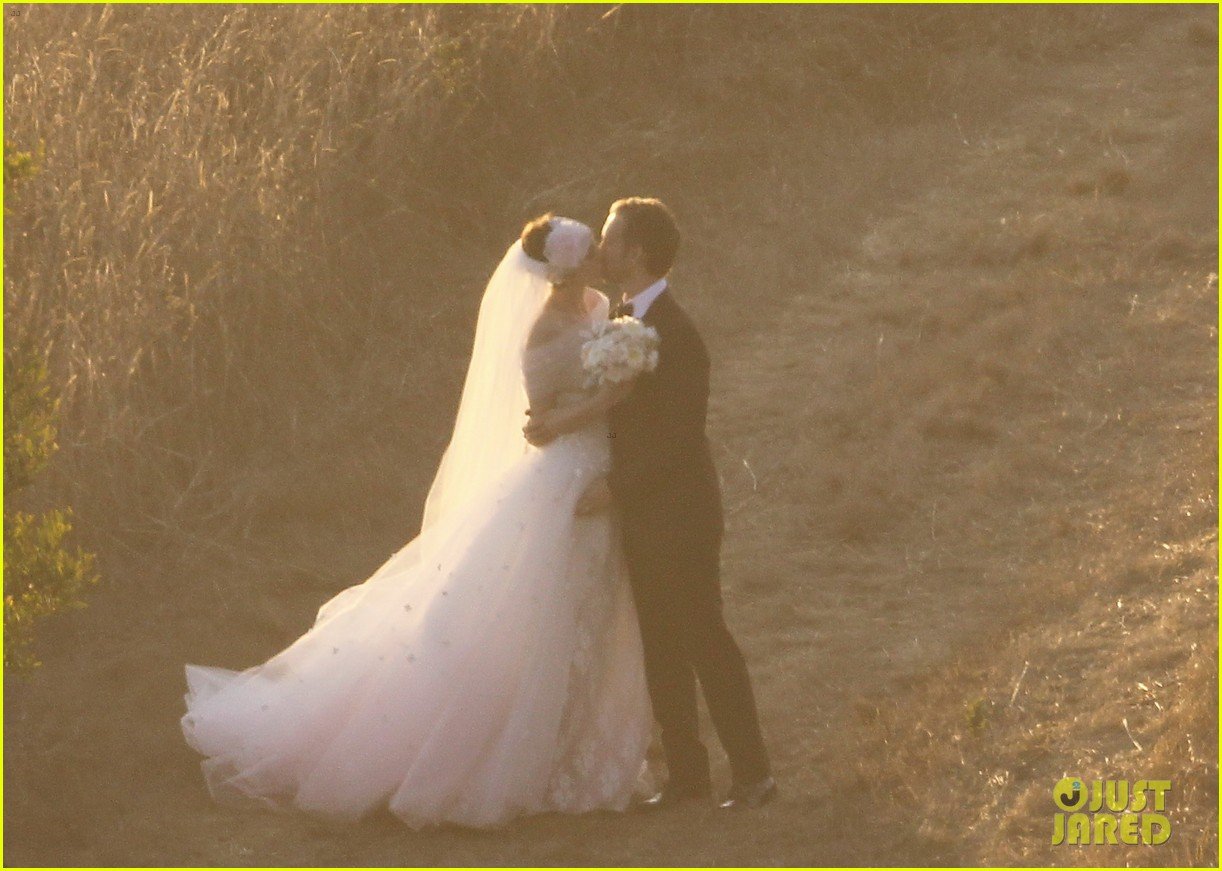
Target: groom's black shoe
674	794
751	796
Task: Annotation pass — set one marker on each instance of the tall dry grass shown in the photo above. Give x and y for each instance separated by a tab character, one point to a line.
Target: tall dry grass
261	231
236	207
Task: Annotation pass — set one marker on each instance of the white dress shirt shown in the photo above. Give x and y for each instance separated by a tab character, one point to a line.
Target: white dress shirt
642	301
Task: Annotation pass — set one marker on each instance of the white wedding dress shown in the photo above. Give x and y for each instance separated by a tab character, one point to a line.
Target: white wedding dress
489	669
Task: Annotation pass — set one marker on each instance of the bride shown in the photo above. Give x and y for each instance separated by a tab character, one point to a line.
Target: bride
492	667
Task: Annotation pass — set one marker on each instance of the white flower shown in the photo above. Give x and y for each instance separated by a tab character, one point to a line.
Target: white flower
623	348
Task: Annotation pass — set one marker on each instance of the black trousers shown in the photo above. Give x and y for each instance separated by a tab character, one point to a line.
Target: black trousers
675	577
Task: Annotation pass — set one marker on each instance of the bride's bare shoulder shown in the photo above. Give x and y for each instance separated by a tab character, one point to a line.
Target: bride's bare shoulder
546	327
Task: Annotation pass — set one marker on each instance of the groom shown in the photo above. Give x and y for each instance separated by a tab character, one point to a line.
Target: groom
665	487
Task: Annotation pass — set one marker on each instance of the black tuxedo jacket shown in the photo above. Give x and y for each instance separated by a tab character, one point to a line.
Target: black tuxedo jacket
662	475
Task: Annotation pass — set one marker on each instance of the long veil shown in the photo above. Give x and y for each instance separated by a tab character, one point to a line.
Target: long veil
487	435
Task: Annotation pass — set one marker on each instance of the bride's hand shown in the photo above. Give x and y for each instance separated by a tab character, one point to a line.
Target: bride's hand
597	497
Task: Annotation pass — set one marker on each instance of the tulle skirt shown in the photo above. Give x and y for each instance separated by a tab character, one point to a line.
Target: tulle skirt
489	669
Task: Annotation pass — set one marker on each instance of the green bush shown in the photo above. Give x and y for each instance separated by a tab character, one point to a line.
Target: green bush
41	576
18	164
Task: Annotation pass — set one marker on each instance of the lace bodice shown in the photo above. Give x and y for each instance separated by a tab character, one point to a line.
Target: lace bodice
551	363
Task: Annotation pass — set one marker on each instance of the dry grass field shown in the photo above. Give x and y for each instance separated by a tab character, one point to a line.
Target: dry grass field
957	270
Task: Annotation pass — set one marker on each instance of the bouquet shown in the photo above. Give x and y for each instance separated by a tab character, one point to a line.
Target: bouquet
620	349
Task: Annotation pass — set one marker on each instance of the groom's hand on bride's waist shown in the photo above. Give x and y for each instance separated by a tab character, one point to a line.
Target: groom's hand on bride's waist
539	430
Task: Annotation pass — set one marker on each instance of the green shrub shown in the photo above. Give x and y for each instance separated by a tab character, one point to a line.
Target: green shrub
18	164
41	576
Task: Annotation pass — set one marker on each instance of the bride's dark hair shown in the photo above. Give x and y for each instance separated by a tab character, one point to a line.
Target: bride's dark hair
534	236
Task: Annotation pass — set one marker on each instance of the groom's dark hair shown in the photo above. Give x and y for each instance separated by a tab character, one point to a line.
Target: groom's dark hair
650	224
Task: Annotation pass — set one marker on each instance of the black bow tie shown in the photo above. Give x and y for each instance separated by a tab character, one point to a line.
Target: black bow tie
622	309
